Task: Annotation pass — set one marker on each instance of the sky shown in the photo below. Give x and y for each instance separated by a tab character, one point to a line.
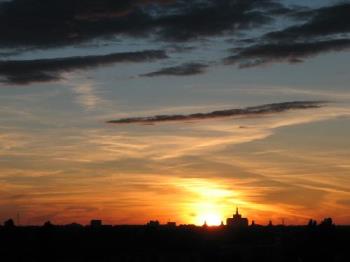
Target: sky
136	110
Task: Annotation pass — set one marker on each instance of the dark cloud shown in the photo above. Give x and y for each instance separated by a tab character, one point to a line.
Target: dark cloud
257	110
181	70
28	24
41	70
44	24
213	17
325	31
324	21
284	52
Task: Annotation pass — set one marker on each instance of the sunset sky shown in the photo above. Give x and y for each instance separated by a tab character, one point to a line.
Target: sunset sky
78	79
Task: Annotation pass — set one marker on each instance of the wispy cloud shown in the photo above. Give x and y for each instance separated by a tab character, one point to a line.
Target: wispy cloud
87	96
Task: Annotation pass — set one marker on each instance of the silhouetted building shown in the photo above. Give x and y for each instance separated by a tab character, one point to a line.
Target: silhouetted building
153	223
237	220
48	224
96	223
205	225
171	224
74	225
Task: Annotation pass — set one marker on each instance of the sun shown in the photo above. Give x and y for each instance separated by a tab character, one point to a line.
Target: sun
211	219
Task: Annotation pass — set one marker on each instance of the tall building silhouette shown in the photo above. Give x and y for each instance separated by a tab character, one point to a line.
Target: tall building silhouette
237	220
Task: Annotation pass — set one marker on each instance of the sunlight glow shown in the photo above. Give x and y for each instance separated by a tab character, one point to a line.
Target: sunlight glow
207	201
211	219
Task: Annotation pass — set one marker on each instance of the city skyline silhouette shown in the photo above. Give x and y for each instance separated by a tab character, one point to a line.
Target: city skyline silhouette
153	241
236	221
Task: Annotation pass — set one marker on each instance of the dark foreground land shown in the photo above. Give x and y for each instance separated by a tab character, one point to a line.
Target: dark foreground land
182	243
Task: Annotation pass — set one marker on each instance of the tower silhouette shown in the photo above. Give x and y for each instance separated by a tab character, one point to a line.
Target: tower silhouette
237	220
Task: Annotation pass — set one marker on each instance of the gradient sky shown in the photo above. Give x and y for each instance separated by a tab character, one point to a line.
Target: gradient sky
68	67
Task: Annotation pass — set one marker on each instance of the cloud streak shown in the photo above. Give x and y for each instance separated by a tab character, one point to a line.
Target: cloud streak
181	70
43	70
257	110
285	52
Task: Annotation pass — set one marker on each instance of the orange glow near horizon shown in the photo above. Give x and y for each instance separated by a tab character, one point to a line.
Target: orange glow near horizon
189	177
211	219
208	201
